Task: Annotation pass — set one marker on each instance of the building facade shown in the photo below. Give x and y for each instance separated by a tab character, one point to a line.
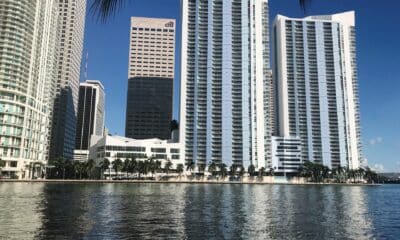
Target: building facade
117	147
286	154
225	82
315	77
71	32
27	63
151	76
91	115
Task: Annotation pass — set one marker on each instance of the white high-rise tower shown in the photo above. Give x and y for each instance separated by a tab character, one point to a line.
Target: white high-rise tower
225	82
27	81
315	77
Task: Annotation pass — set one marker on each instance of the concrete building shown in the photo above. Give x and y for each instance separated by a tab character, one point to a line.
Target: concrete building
151	76
91	114
225	82
70	44
315	77
117	147
27	63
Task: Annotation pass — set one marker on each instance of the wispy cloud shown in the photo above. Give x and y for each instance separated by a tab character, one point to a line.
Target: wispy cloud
375	141
378	168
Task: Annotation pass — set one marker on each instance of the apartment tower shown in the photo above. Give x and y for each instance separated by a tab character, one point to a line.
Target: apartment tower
71	32
225	82
315	77
27	63
91	115
151	76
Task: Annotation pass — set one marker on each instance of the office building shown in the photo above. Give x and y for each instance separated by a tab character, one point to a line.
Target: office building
225	82
27	63
117	147
151	75
71	32
91	115
315	75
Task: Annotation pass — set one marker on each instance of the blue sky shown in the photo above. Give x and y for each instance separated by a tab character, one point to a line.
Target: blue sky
378	52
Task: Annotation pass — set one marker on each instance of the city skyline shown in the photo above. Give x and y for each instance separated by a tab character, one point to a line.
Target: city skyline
379	144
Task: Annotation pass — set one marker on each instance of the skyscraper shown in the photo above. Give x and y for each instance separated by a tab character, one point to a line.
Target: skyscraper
90	116
27	60
71	32
315	77
151	75
225	82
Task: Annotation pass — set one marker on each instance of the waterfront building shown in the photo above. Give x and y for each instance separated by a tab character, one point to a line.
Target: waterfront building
286	154
315	78
225	114
117	147
91	115
151	76
70	44
27	63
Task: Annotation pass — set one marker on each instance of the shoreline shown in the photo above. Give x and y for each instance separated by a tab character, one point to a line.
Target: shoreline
179	182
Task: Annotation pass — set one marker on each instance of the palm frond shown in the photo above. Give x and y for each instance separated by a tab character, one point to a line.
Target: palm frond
103	9
303	4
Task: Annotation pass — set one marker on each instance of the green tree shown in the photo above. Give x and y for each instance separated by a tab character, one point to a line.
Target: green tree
89	167
223	170
251	170
190	166
261	172
105	164
212	168
179	169
125	167
117	166
2	164
167	166
133	166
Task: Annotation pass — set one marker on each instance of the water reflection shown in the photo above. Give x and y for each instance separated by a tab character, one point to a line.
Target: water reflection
185	211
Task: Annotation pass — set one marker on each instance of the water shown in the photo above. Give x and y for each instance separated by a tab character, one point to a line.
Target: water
189	211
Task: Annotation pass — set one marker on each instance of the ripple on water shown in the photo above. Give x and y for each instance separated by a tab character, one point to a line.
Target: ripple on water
185	211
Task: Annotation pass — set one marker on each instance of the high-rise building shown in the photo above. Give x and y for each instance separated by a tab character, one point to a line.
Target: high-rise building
225	82
71	32
27	63
151	75
90	116
315	77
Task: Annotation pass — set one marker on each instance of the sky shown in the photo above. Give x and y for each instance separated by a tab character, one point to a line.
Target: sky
378	55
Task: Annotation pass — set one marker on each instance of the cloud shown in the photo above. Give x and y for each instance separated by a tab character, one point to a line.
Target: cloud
375	141
378	168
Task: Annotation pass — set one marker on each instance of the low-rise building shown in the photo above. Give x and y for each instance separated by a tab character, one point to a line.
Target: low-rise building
286	154
118	147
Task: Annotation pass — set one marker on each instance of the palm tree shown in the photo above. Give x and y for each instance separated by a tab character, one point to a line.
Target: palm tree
142	168
2	164
223	169
212	168
179	169
105	165
117	165
78	169
89	167
190	166
251	170
103	9
261	172
125	167
133	166
167	166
